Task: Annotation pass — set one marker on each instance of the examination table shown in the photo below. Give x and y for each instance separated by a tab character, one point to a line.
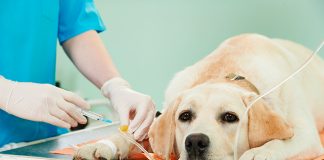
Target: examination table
41	148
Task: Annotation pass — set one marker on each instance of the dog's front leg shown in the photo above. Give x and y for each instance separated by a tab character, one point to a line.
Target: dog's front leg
114	147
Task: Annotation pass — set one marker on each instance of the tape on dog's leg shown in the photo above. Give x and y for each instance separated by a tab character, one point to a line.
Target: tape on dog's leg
110	144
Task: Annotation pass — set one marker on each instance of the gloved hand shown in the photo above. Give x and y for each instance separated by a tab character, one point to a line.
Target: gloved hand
42	102
135	109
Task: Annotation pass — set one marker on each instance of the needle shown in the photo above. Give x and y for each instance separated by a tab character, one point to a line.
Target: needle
95	116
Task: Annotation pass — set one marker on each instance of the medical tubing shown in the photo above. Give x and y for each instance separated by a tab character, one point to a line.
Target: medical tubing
127	137
268	92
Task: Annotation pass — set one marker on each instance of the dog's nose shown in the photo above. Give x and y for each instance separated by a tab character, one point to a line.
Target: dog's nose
196	144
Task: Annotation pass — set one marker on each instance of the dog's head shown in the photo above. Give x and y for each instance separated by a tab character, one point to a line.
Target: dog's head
201	123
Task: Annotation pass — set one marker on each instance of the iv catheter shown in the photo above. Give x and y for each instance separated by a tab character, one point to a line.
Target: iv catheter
95	116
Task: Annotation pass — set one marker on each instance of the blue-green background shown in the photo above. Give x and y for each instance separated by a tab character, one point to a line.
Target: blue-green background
150	40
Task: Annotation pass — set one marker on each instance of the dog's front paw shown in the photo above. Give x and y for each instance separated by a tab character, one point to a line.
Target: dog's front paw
97	151
262	153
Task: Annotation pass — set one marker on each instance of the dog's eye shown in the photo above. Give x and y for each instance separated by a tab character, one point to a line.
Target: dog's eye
185	116
229	117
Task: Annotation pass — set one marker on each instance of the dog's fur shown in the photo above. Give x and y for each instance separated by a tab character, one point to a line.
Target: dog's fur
282	125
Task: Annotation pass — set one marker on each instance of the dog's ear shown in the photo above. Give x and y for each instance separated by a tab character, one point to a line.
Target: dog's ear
264	124
162	131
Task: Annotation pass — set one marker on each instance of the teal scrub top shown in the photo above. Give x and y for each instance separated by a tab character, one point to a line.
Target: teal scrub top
29	30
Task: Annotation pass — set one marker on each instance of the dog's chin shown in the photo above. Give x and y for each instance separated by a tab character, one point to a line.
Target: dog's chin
196	158
208	157
228	157
192	158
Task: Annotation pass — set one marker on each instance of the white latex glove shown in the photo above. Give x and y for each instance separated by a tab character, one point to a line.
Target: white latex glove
135	109
42	102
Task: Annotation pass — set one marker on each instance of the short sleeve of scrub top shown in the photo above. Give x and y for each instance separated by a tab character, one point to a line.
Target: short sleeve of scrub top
76	18
29	33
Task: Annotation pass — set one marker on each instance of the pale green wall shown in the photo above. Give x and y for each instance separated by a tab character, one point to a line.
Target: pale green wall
151	40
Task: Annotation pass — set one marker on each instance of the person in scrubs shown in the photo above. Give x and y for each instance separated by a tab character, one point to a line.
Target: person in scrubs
31	108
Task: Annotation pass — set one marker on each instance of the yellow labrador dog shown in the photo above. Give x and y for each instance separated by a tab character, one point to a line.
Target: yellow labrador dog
205	102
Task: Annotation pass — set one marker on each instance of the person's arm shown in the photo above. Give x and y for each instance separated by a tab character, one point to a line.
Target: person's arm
90	56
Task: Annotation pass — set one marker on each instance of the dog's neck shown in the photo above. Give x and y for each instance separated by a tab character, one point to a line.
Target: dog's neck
242	82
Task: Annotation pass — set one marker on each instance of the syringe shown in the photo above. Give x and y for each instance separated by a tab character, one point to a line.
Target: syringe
95	116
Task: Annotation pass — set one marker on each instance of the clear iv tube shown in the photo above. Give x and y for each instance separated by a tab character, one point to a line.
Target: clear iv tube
268	92
126	136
